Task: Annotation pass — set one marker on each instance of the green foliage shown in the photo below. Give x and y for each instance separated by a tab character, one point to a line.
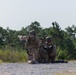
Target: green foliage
11	46
34	25
10	55
62	54
1	61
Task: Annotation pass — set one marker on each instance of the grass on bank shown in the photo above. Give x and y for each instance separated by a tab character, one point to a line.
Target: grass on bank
11	55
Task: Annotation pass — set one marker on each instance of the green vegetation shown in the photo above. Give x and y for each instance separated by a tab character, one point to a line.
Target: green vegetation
12	55
12	49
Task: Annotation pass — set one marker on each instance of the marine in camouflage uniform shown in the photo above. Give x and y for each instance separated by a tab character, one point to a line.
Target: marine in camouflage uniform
32	45
43	56
51	49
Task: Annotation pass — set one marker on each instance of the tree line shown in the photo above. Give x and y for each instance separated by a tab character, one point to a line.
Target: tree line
65	40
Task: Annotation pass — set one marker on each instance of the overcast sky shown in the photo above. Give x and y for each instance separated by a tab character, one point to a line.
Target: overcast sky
20	13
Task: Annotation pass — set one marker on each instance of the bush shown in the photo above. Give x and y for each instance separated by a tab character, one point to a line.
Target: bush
62	54
1	61
9	55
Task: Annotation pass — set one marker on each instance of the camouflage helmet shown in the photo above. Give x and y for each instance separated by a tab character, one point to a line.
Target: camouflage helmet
32	32
49	39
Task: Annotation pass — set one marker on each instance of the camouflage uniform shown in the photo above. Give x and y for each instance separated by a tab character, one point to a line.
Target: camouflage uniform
51	49
32	44
43	56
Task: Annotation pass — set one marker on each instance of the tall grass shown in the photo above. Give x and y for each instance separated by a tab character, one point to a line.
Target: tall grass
13	55
62	54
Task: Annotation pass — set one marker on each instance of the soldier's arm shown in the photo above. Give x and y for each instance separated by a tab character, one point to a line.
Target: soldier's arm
27	42
54	50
